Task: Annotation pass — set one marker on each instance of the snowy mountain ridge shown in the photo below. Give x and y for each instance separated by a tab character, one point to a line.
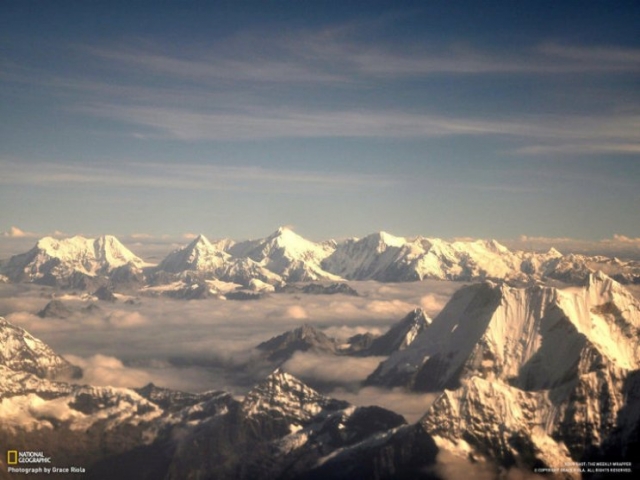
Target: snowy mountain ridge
23	352
284	257
529	337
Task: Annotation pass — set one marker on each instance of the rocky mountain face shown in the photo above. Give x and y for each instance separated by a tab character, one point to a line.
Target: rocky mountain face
530	376
320	289
74	424
55	309
623	442
574	268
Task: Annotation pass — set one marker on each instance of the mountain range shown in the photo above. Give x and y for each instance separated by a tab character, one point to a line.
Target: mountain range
533	378
285	257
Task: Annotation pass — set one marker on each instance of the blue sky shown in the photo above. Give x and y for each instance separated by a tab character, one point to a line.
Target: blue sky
447	119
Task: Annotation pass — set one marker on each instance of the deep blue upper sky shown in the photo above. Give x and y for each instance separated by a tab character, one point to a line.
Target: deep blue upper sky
483	119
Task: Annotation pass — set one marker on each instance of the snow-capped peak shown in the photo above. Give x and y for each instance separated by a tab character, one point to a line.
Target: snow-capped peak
283	230
492	245
401	335
201	239
105	250
290	243
554	253
199	255
544	365
22	352
283	395
109	250
382	240
287	254
62	258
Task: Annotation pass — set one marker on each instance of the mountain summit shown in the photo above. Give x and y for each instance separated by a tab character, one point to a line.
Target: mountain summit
199	255
287	254
302	339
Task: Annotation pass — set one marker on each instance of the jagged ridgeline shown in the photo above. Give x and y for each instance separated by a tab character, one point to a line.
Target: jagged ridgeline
285	257
309	339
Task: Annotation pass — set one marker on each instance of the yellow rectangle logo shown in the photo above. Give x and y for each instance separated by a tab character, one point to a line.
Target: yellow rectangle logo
12	457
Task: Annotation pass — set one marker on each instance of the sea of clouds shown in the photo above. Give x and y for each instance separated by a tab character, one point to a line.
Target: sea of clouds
199	345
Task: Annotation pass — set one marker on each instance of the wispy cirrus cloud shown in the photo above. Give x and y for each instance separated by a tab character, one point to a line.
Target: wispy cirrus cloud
598	58
238	63
184	176
615	133
277	122
237	87
588	148
459	59
337	55
344	55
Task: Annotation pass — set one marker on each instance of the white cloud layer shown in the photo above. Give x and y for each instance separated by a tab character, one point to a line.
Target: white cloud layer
412	406
102	370
330	369
212	333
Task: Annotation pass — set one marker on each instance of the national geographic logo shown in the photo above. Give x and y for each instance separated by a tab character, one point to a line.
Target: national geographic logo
15	457
34	463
